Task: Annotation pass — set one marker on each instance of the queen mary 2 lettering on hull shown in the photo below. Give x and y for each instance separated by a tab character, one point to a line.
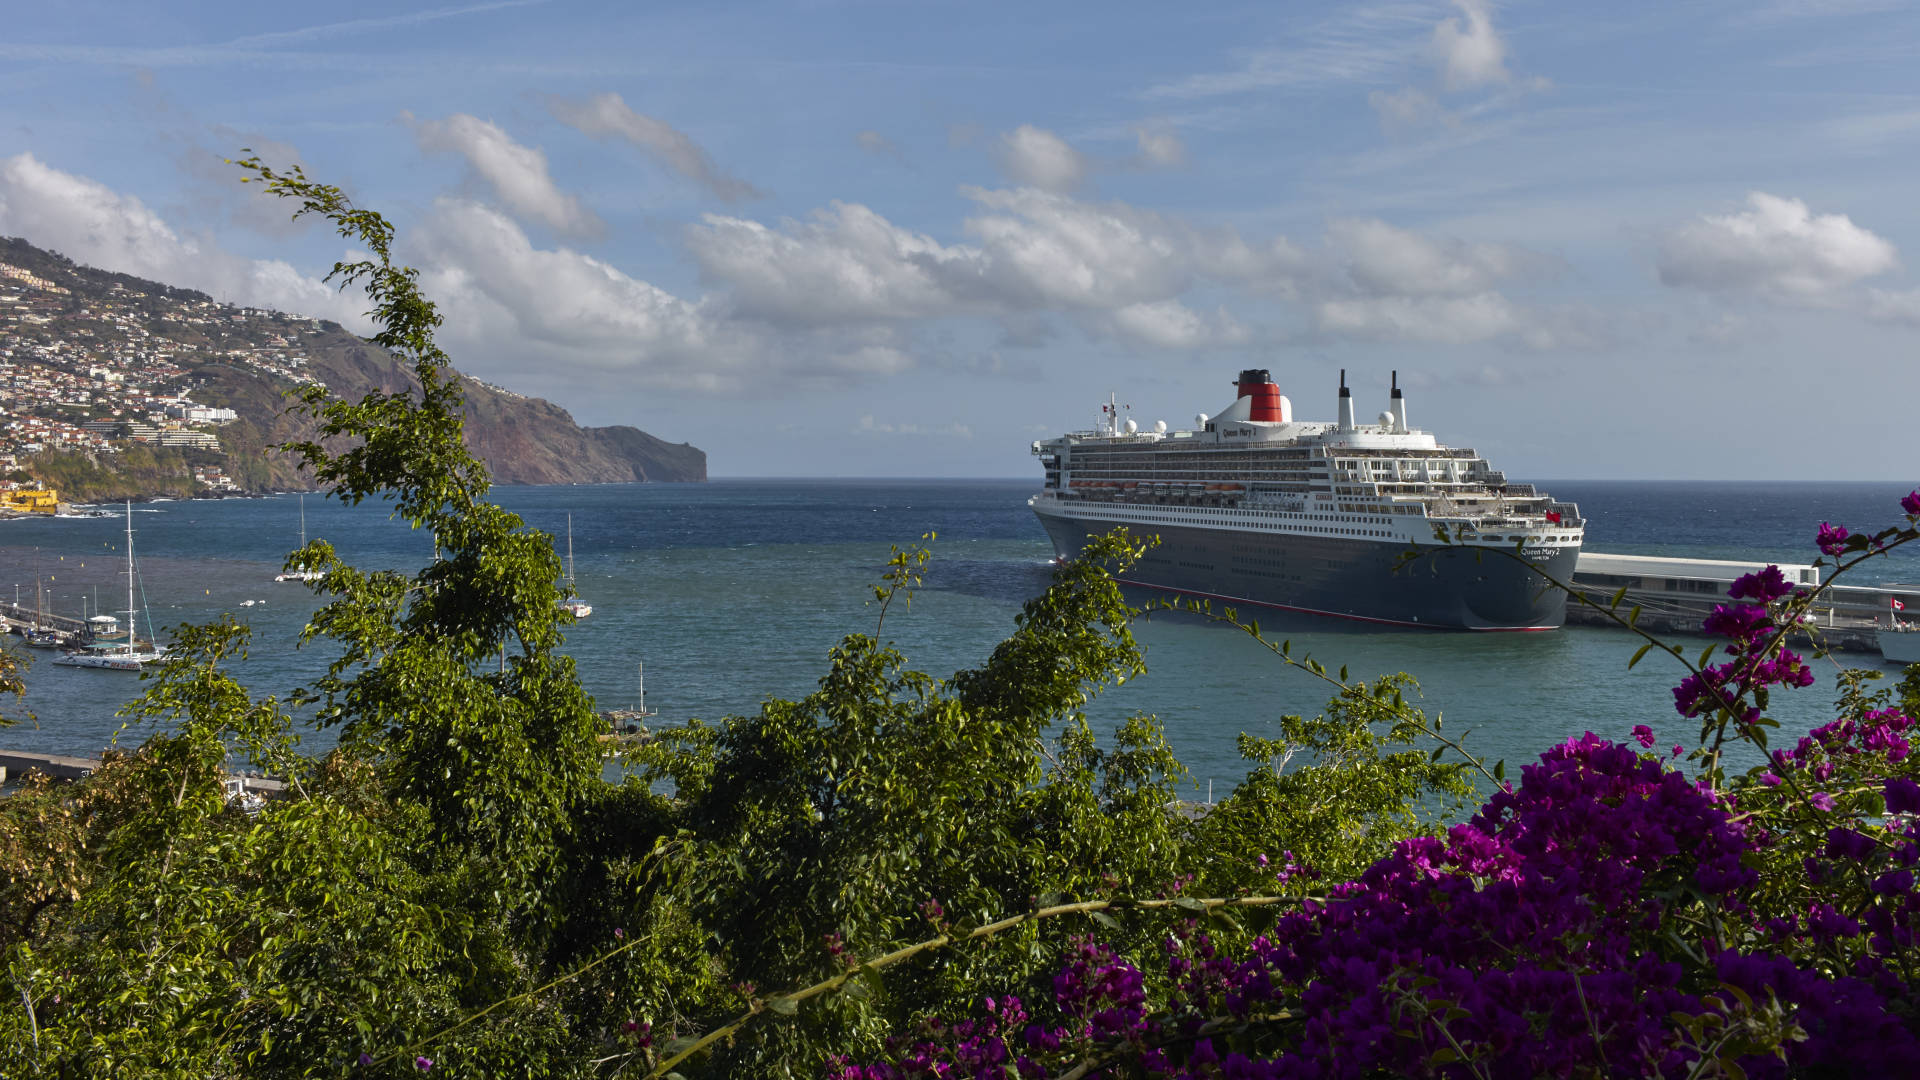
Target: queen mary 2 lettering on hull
1252	506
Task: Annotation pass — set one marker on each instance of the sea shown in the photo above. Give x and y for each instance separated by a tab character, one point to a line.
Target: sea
733	591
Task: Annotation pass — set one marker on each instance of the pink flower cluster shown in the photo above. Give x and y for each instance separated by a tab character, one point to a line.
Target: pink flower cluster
1759	660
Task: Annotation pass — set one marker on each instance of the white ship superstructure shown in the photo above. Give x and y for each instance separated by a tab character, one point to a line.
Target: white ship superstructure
1253	505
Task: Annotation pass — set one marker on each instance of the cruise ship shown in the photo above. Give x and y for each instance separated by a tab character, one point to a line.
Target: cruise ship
1334	518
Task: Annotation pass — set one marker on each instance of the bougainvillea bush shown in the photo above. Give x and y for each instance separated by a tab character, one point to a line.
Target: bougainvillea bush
1622	909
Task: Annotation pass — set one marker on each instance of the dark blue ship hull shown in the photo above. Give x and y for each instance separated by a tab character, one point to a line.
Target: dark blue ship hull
1439	586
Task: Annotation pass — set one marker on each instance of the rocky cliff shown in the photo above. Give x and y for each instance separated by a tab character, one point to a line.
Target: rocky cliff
523	440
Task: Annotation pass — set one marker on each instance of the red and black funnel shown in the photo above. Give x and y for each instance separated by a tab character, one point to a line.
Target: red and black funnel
1257	384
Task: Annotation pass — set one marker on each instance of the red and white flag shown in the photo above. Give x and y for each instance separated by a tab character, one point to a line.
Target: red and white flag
1897	605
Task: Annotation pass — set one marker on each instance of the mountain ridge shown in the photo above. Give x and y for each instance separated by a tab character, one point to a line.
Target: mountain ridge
87	349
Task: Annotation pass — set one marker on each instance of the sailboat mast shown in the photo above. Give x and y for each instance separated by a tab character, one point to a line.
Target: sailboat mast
569	550
133	632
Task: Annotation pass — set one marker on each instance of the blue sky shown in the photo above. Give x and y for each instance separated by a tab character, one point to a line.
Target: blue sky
1671	240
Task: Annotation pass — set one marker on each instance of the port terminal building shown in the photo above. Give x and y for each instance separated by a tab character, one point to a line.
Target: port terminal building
1674	595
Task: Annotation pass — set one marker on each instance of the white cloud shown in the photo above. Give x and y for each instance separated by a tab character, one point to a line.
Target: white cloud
1382	260
608	116
1380	282
1159	148
1051	250
1775	247
1119	269
1452	320
508	301
845	264
1470	54
1034	157
518	174
93	225
1169	324
1042	249
513	307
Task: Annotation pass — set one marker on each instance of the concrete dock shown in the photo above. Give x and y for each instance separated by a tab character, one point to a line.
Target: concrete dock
19	615
14	766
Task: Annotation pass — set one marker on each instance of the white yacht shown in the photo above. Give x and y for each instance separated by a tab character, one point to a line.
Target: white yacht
129	655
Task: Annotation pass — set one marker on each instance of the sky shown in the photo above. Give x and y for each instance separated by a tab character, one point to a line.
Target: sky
1671	240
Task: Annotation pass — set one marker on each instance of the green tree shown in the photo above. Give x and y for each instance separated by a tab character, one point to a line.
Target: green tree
405	886
456	881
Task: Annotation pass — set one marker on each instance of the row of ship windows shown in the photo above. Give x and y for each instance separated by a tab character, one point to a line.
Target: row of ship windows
1324	530
1284	515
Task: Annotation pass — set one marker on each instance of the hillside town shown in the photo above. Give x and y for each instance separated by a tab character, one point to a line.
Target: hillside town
118	368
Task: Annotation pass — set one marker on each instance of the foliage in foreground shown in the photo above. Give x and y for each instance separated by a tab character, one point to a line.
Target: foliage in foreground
888	870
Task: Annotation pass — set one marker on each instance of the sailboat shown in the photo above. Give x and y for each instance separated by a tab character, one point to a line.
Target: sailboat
126	655
41	636
576	607
301	574
632	721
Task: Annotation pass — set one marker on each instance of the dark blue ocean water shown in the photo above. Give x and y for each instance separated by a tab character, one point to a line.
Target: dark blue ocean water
734	590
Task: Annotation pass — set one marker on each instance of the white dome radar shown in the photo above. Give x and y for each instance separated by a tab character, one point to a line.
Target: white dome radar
1133	426
1160	426
1200	422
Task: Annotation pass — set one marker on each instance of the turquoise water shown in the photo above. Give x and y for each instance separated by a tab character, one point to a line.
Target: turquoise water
733	591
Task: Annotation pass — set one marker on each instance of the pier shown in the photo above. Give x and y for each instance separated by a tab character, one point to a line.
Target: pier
19	615
1674	595
15	766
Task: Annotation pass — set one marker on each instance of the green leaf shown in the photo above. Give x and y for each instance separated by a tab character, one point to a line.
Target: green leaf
783	1006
